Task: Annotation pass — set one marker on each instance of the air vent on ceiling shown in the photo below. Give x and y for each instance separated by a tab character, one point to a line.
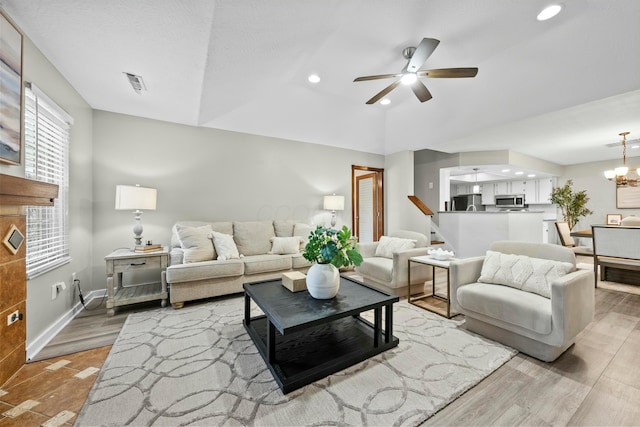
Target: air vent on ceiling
136	82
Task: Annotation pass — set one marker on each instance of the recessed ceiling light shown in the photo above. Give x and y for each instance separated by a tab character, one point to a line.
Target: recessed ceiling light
506	170
635	146
519	173
531	175
549	12
385	101
314	78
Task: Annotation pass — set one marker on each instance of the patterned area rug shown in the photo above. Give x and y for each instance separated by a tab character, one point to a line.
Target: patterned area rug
198	366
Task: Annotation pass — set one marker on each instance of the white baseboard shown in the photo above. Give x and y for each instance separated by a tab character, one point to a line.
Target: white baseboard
34	347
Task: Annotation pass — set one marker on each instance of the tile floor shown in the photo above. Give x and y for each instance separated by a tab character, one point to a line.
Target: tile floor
51	392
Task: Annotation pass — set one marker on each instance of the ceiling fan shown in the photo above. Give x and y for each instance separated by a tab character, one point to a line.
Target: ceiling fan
416	57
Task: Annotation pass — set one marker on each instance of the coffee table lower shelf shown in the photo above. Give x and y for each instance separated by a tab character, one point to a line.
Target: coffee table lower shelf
314	353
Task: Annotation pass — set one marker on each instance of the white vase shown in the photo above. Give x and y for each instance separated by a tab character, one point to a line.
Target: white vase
323	281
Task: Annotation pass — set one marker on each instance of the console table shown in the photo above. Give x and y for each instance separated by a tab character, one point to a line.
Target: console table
127	261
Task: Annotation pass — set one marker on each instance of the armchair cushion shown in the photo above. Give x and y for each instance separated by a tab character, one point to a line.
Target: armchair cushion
522	272
525	309
387	246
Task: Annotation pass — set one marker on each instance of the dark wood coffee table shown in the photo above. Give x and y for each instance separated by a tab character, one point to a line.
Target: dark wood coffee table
316	338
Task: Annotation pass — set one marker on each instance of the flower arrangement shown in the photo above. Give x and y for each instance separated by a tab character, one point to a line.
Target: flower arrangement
330	246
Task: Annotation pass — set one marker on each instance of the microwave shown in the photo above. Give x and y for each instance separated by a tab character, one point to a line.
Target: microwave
510	201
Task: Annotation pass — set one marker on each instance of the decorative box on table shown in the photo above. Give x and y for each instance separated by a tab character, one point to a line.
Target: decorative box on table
294	281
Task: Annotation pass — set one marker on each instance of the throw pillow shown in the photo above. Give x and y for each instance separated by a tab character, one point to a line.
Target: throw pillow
387	246
285	245
196	243
522	272
225	246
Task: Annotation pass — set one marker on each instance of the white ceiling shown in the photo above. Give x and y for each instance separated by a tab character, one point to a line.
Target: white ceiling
559	90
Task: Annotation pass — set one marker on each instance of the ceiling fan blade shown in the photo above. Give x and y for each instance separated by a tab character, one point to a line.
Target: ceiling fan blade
421	91
449	72
378	77
422	52
383	92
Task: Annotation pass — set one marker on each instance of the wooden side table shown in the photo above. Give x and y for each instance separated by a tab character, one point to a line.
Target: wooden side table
126	261
439	304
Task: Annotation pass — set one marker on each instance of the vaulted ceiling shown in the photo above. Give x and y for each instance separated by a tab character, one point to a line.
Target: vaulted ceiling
559	90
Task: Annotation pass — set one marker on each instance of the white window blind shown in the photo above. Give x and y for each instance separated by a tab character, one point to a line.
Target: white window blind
46	158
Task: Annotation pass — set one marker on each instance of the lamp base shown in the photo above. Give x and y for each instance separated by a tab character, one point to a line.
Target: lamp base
137	228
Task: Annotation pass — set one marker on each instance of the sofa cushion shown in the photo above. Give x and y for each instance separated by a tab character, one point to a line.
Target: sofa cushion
505	304
285	245
253	237
284	227
522	272
266	263
196	243
378	267
388	245
225	227
303	230
205	270
225	246
298	261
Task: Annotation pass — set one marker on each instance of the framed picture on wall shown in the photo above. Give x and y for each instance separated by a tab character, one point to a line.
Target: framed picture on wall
627	197
10	92
614	219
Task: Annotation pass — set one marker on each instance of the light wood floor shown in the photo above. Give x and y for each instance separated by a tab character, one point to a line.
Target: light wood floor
595	382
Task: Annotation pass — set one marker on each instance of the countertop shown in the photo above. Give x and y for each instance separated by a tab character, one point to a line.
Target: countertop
489	212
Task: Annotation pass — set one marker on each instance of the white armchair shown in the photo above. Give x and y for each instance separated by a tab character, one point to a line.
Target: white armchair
540	326
386	268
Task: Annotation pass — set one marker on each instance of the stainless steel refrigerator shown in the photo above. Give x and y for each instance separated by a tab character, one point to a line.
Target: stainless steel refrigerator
467	202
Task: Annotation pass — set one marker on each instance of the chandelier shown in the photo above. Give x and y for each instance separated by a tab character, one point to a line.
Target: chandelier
620	173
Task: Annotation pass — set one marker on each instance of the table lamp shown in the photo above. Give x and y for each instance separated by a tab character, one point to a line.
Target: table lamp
136	198
333	203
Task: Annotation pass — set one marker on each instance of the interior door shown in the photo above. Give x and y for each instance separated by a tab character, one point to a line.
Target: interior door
368	206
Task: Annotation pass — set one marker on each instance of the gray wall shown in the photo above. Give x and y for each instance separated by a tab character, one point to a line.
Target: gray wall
209	174
42	312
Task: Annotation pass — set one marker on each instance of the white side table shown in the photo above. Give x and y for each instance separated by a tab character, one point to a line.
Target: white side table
439	304
125	261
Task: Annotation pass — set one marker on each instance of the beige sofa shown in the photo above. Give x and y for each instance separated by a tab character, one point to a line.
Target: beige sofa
387	269
523	300
196	270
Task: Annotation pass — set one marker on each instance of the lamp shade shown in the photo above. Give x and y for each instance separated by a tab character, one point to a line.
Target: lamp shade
334	203
129	197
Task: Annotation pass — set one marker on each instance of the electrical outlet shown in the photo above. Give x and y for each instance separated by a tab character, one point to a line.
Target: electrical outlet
73	277
12	317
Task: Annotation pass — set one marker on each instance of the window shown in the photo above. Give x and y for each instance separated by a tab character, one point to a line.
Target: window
46	158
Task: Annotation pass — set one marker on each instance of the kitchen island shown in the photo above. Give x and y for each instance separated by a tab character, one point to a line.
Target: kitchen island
471	233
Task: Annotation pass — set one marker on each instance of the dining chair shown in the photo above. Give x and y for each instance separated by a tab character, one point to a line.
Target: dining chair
564	232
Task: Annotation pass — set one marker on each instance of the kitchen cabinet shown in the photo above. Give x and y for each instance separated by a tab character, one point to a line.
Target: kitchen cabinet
463	189
545	187
502	187
528	188
488	194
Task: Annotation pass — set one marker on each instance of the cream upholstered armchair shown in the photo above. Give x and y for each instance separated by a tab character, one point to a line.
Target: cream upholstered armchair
384	264
525	295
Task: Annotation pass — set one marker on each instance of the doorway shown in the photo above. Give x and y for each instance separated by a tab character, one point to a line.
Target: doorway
367	199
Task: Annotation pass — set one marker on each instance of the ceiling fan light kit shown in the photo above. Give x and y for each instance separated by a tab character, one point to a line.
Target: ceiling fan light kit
416	57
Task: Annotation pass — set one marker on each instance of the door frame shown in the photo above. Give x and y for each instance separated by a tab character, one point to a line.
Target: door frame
379	204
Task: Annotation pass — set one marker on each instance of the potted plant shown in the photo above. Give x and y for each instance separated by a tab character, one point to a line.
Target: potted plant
329	249
572	204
